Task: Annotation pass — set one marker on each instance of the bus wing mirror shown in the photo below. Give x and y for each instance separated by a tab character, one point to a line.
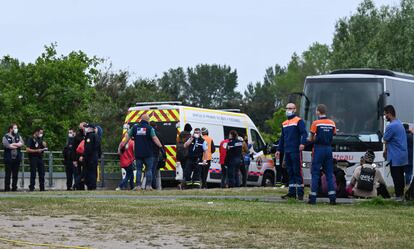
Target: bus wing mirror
293	97
381	103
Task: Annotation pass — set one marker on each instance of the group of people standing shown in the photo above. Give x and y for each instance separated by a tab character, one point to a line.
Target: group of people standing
367	181
35	147
194	155
293	140
141	146
81	153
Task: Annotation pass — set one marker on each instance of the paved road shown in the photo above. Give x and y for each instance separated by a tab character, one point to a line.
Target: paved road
173	197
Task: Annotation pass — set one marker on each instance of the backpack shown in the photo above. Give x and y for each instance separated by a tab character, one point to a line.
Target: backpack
324	184
81	148
182	153
365	180
340	182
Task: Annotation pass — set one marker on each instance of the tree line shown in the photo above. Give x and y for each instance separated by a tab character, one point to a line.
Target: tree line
56	92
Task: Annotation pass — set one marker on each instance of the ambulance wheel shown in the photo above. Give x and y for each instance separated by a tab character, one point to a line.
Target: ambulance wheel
268	179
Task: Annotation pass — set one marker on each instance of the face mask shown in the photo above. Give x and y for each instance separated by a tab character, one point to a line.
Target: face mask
196	135
70	135
15	130
40	135
289	113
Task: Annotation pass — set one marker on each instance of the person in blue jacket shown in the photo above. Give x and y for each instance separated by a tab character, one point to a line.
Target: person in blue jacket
396	152
292	142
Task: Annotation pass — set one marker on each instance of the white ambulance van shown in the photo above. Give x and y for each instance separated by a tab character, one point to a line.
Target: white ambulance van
171	118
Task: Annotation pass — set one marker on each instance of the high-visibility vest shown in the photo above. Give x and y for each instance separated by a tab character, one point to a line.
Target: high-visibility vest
209	141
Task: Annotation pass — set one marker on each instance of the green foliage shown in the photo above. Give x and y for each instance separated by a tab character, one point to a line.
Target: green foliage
52	93
264	102
58	91
209	86
174	83
376	38
275	125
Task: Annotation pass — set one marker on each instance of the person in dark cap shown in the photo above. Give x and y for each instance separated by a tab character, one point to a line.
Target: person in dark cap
367	181
91	155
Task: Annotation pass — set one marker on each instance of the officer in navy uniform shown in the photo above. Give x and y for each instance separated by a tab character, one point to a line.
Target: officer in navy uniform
35	148
79	170
144	137
91	156
233	157
322	132
69	159
12	143
197	149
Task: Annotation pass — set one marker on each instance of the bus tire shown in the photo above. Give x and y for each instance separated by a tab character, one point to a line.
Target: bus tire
268	179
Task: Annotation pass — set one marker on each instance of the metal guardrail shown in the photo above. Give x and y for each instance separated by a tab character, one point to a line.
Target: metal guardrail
108	165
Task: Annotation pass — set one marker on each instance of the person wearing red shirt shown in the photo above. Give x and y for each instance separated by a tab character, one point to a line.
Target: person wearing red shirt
127	157
223	153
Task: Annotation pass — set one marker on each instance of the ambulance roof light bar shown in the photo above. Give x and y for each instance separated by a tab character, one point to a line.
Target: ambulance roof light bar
159	103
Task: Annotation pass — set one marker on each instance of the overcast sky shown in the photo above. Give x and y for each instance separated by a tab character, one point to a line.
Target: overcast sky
149	37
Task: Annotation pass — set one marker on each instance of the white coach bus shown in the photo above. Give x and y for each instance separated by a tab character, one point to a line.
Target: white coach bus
355	99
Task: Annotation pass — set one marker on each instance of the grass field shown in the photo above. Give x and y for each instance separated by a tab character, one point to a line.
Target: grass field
202	223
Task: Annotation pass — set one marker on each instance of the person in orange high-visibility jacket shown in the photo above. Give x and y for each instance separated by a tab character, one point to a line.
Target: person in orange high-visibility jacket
322	132
208	157
292	142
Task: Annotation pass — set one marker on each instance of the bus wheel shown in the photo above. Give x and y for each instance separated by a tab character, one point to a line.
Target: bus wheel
268	179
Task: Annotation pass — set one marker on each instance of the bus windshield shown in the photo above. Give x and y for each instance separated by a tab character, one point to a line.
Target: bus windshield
352	104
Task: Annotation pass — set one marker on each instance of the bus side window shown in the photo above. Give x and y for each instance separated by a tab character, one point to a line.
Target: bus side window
258	144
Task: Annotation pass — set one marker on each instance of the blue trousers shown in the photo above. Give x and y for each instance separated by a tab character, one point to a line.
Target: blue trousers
148	170
154	171
294	169
129	177
232	172
322	158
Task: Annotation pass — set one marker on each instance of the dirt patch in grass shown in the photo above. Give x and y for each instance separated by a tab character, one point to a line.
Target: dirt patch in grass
74	230
195	223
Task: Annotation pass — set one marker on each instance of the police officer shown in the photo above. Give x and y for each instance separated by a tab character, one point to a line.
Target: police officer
69	159
35	148
144	137
91	155
322	133
80	171
292	142
12	143
197	149
233	157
